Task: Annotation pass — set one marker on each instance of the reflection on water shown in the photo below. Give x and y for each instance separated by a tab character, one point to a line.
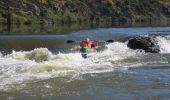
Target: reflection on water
54	43
44	29
66	28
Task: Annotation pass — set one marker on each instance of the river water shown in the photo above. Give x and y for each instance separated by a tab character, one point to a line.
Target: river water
46	67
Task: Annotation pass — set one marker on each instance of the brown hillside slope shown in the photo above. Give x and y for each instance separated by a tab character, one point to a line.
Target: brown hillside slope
30	11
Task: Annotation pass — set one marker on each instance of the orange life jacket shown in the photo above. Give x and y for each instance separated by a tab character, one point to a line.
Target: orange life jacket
86	44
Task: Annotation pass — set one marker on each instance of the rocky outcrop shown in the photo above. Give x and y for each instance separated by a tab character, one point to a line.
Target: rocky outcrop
148	44
87	10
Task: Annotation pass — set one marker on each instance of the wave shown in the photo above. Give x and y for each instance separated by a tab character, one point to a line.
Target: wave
40	63
164	43
38	55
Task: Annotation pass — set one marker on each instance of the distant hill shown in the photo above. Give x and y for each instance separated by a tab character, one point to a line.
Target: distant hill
69	11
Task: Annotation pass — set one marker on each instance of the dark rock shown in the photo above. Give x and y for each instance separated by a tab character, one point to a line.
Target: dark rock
148	44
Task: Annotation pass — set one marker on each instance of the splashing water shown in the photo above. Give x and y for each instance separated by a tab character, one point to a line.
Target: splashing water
41	64
164	43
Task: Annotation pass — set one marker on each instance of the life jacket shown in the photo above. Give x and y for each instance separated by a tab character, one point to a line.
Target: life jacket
86	44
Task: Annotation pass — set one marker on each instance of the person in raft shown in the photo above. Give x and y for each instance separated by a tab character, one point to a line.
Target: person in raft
87	46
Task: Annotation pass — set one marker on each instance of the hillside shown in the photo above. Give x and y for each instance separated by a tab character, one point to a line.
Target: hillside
68	11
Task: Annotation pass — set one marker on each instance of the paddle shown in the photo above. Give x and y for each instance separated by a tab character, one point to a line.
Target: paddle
72	41
110	41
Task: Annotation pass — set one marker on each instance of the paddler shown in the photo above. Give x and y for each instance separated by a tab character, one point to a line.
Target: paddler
87	46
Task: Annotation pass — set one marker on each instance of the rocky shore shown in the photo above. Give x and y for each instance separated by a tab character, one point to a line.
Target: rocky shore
79	11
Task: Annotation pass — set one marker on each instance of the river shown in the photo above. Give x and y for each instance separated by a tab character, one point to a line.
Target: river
46	67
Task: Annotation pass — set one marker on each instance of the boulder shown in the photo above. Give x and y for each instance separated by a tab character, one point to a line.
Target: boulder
148	44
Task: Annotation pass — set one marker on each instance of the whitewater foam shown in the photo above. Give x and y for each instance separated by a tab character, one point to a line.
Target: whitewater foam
40	64
164	43
38	55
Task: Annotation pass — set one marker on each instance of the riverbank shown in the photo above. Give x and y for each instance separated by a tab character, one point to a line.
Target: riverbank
66	12
35	29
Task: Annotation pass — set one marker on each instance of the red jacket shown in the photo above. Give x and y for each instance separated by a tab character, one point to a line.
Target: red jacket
86	44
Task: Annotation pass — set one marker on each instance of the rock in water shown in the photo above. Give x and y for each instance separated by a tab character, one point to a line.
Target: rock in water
148	44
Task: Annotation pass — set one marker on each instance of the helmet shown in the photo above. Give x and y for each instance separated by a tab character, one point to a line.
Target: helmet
87	39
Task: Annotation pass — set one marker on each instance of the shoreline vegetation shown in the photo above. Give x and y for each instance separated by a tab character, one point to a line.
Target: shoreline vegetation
35	29
50	12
